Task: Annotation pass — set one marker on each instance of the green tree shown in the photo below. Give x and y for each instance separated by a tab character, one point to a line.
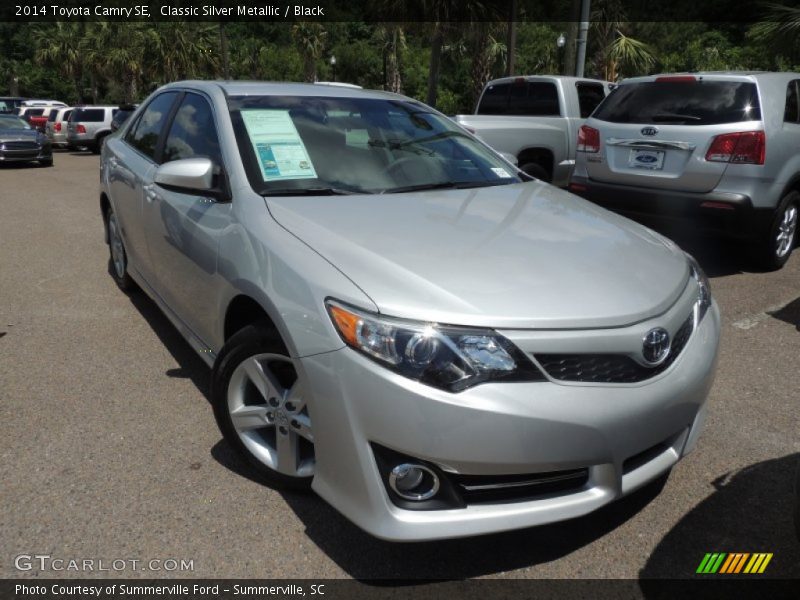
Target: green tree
309	39
59	45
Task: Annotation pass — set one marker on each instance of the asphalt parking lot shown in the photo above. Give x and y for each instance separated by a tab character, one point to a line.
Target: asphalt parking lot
110	450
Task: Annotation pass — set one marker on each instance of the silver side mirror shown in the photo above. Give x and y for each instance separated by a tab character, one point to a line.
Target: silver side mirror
189	174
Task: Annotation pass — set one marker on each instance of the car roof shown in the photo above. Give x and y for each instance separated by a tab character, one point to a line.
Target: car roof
564	78
264	88
719	76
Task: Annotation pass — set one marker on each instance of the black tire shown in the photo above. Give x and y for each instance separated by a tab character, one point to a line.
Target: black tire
260	341
46	163
797	503
536	170
97	147
117	268
772	255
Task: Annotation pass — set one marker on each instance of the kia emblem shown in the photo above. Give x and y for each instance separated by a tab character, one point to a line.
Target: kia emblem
649	131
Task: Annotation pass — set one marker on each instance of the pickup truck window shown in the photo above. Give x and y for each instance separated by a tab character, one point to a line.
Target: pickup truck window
589	96
523	98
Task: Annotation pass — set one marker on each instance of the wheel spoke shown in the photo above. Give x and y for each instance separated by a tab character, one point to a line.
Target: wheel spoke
263	379
288	454
246	418
302	425
295	398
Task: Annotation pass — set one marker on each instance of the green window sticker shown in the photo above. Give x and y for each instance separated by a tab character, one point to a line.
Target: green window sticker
280	151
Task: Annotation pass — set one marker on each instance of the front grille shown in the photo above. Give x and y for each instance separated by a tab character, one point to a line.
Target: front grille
611	368
490	489
19	146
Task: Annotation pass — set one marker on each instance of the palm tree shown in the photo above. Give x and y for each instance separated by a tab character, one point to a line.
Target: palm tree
114	49
393	41
59	44
617	52
310	41
178	50
780	29
485	50
627	55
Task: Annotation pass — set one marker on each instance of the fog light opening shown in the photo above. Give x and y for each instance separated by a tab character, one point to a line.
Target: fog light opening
413	482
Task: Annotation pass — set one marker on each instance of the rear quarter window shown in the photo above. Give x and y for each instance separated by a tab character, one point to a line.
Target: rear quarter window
792	112
679	102
589	96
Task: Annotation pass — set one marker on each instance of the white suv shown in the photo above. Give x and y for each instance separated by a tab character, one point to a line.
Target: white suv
722	149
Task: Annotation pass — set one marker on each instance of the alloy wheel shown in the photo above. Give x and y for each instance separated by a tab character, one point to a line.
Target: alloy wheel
267	407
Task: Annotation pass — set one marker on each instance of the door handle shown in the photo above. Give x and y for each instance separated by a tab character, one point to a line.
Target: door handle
113	161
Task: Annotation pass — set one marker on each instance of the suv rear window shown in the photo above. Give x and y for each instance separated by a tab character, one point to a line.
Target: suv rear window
88	115
682	103
53	115
523	98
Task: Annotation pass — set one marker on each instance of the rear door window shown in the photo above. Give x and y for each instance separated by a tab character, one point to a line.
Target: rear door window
694	102
589	96
145	133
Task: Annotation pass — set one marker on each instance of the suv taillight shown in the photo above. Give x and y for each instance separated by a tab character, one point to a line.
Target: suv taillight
588	139
80	128
57	126
744	147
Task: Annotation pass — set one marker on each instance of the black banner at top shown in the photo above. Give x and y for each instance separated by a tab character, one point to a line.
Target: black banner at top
32	11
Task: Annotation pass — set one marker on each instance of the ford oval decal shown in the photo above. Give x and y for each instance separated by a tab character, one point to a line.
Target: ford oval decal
646	158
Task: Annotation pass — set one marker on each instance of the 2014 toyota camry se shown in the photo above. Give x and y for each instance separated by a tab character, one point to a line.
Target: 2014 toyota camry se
398	318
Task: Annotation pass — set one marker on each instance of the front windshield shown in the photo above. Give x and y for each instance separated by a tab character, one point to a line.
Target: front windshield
13	123
319	145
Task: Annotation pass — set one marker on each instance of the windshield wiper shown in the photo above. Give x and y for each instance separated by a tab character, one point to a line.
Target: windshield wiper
662	117
443	185
315	191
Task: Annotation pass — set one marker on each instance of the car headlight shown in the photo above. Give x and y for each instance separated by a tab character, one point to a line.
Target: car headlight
446	357
703	292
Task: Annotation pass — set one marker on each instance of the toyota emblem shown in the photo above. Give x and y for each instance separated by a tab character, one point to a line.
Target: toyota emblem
655	346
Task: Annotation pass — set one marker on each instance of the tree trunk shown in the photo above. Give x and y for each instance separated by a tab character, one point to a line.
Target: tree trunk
394	82
570	50
437	40
481	68
511	42
223	44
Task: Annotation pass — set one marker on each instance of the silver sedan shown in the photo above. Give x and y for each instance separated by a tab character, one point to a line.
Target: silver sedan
395	316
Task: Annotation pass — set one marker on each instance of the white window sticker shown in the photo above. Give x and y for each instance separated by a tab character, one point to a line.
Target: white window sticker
280	151
500	172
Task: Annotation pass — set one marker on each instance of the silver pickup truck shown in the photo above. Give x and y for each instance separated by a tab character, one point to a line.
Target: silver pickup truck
536	120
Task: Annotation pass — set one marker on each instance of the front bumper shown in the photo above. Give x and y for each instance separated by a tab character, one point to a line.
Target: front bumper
26	155
500	429
723	212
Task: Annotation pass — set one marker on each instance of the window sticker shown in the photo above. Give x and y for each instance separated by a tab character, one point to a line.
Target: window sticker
500	172
280	150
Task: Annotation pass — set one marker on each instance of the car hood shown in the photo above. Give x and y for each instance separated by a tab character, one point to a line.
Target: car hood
516	256
18	135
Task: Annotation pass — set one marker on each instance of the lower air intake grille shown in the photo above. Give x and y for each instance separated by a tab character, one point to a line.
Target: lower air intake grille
611	368
489	489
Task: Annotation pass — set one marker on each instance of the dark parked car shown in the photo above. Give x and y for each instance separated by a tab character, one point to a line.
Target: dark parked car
19	142
125	111
10	104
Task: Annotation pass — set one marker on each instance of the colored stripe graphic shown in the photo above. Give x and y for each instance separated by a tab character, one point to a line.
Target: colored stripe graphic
734	562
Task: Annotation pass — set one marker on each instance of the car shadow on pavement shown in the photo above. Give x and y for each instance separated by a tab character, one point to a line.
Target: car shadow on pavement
190	366
369	559
789	313
750	510
717	254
